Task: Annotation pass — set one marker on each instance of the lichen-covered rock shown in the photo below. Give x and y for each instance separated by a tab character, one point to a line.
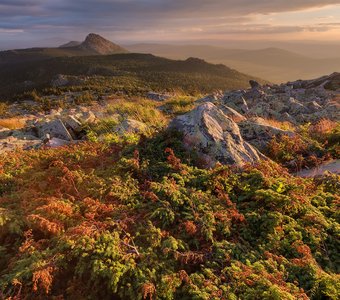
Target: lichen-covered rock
254	84
303	100
87	117
55	128
130	126
59	80
73	123
232	114
12	143
258	133
209	131
158	96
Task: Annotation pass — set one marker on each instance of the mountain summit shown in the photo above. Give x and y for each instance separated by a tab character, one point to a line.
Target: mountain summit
99	45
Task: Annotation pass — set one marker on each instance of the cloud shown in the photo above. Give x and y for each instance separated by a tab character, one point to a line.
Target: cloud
330	24
121	17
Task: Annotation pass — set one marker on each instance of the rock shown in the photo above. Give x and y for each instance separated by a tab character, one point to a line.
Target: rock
260	109
20	134
287	117
73	123
87	117
259	133
12	143
55	143
23	135
236	101
130	126
278	105
254	84
55	128
244	106
4	132
297	108
210	98
208	130
59	80
232	114
158	96
314	106
56	112
302	100
254	95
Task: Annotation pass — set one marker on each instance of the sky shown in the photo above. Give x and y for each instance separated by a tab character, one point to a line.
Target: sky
27	22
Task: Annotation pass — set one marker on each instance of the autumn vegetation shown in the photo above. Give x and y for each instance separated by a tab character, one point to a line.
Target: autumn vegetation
137	218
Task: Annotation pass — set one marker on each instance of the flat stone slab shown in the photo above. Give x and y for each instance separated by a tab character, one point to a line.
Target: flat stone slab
55	128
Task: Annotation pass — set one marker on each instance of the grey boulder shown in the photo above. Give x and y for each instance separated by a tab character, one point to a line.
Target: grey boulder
215	136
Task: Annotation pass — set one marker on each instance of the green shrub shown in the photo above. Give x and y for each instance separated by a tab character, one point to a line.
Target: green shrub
134	221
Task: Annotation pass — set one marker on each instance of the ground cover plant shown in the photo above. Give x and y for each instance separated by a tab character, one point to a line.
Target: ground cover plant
140	220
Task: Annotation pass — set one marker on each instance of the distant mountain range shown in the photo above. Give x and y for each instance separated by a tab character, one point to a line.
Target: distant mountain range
273	64
36	68
94	44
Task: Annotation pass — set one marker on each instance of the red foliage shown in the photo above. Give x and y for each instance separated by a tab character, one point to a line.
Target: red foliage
148	290
190	227
42	279
173	161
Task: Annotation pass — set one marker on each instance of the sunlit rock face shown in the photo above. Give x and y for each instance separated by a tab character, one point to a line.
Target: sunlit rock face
214	135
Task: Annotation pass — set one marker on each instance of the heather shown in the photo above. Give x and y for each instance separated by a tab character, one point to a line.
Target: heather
141	220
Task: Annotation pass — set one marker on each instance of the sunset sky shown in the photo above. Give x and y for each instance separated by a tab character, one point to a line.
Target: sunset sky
25	21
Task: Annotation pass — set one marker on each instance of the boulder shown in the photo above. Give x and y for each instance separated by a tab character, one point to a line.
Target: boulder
55	143
287	117
73	123
4	132
158	96
209	131
232	114
314	106
87	117
297	108
259	133
236	101
209	98
12	143
254	94
59	80
55	128
130	126
254	84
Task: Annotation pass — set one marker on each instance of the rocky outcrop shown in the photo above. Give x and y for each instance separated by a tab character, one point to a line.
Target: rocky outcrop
12	143
215	136
299	101
58	128
259	133
232	114
158	96
53	129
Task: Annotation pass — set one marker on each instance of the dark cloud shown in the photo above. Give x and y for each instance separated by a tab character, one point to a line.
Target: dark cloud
46	17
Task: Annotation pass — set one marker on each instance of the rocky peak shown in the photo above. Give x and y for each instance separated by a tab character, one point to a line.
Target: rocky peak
98	44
